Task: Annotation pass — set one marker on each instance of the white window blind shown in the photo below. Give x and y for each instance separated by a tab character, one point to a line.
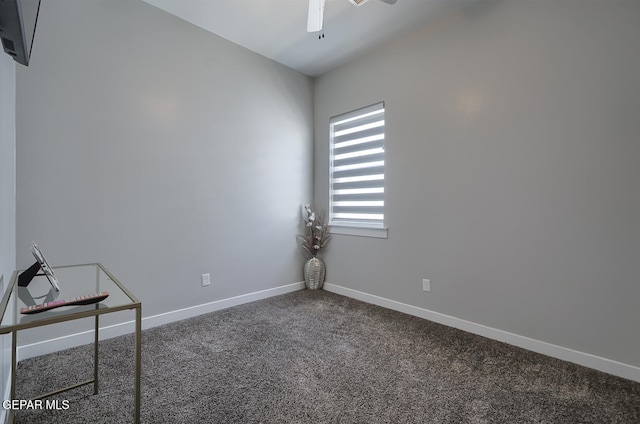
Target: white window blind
357	168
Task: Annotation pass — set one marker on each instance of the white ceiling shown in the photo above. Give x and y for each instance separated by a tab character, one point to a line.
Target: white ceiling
277	28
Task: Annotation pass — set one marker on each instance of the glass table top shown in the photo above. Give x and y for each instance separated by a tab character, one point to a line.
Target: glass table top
74	281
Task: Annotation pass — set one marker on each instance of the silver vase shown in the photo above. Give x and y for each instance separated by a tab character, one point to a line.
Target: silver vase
314	273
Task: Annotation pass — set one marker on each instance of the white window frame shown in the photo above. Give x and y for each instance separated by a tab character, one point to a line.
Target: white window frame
363	223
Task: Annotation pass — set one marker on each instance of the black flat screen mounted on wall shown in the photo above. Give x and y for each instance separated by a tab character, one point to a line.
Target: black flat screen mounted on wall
18	19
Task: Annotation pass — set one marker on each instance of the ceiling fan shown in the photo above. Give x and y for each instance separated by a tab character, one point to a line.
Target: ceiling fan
316	12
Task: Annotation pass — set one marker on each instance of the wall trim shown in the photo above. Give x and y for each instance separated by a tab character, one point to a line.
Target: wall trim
108	332
609	366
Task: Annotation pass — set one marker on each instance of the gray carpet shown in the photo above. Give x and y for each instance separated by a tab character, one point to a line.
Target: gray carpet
317	357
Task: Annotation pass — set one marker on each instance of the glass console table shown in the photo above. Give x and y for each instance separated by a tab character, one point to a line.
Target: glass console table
75	281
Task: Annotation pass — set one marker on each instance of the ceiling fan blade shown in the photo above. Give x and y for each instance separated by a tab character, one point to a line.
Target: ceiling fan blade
389	1
315	16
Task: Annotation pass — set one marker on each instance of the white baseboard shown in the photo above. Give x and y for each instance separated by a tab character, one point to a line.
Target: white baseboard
601	364
107	332
595	362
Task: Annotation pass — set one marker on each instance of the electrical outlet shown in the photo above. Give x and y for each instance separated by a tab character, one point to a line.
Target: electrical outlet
426	285
205	279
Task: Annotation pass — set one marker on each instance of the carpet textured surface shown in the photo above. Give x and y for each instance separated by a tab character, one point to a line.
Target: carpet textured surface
318	357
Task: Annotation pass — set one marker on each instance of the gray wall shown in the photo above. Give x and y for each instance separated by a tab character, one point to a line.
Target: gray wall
7	167
7	195
511	174
162	151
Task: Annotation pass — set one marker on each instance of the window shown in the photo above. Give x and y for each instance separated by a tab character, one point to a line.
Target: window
356	198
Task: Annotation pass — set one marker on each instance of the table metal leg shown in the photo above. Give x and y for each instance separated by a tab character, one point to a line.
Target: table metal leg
95	357
14	369
137	366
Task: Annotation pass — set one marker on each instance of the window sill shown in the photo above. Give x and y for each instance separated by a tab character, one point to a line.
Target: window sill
359	231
